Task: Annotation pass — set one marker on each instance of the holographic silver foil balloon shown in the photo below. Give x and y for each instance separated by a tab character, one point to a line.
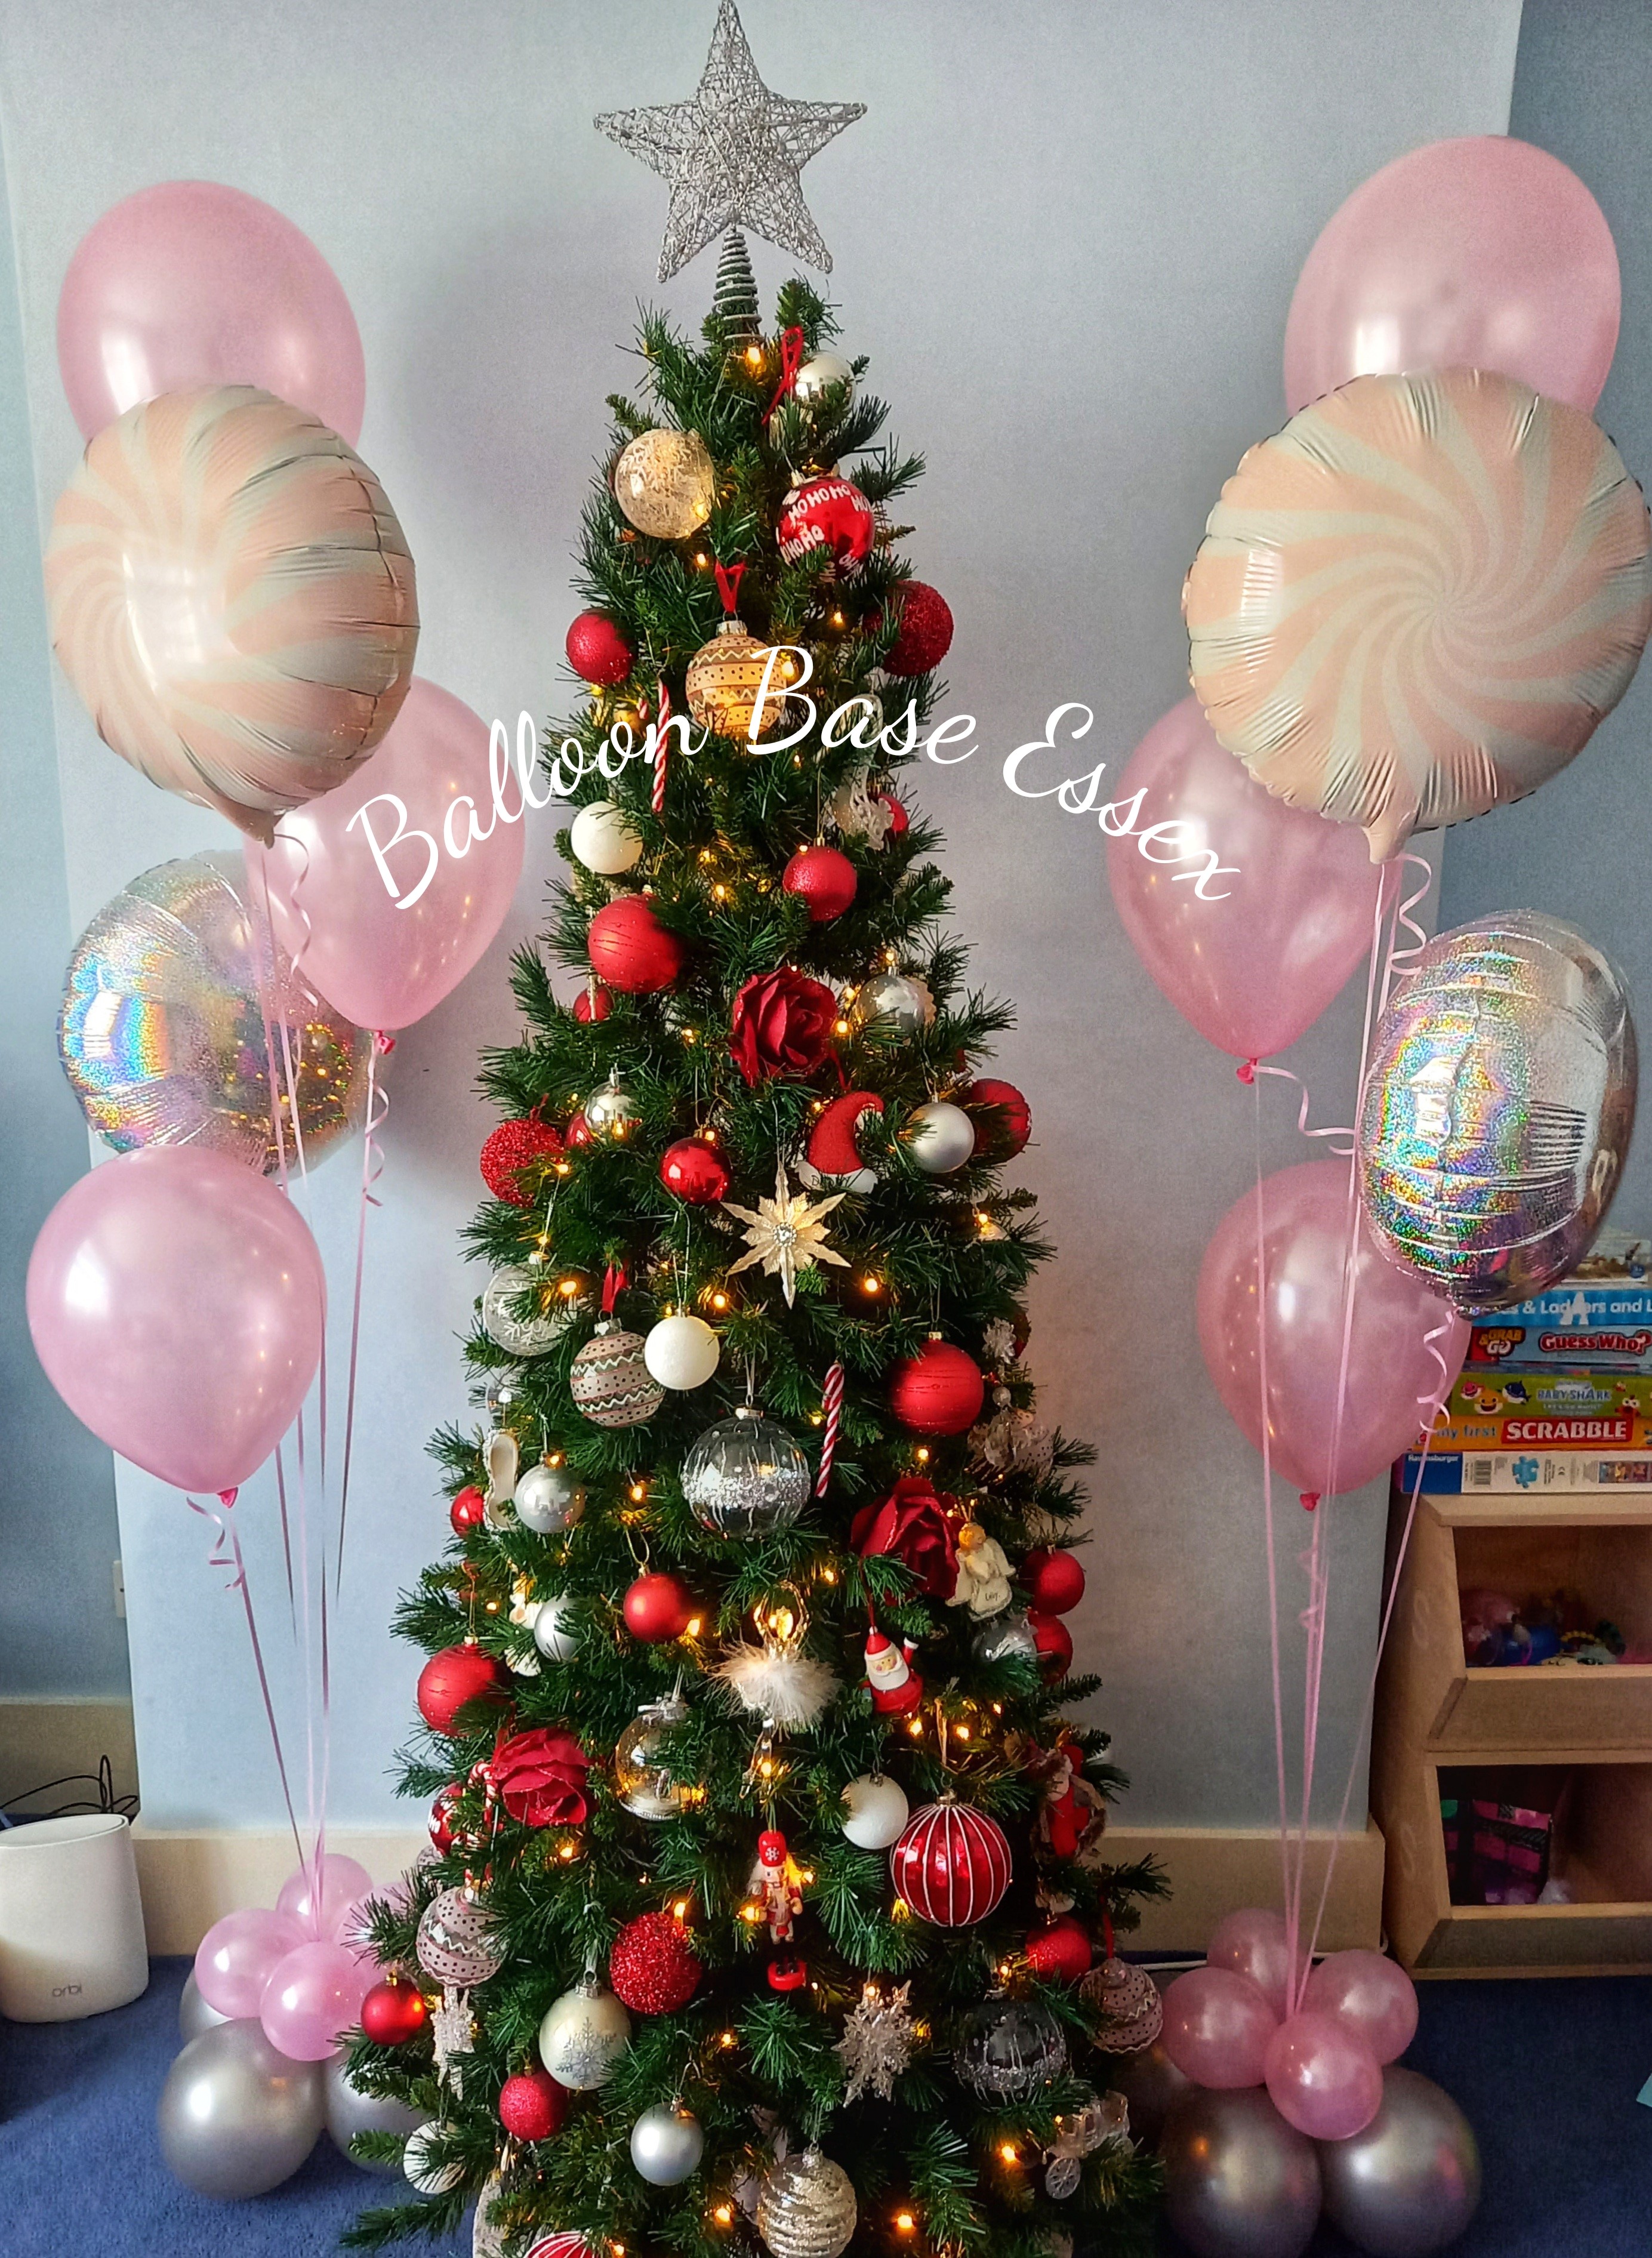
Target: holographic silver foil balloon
1498	1108
350	2112
169	993
235	2117
1410	2183
1239	2181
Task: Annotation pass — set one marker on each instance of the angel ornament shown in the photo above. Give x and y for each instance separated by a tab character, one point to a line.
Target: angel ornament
984	1572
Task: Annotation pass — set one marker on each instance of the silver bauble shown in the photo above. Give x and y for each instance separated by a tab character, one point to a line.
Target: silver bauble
941	1137
549	1498
894	1003
583	2035
643	1779
1239	2181
1409	2183
455	1942
666	2145
517	1336
806	2207
350	2112
194	2014
610	1111
556	1631
1002	1636
823	373
430	2178
1009	2049
236	2118
746	1476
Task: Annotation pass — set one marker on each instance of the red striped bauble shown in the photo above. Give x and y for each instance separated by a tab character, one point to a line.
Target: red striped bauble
951	1864
561	2244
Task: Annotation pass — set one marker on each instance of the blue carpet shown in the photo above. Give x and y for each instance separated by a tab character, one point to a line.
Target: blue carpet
1546	2073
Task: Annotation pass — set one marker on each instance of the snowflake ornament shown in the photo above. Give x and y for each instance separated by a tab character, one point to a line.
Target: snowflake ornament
452	2028
785	1234
877	2041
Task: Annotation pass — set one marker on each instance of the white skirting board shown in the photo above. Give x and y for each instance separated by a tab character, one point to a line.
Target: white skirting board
189	1879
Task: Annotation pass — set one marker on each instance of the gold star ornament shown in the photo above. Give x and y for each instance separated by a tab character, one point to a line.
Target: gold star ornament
785	1234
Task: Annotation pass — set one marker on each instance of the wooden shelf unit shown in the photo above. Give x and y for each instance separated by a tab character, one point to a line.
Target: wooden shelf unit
1434	1713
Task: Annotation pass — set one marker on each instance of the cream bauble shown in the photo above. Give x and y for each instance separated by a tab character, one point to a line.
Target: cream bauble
665	482
681	1352
603	840
875	1811
549	1498
940	1138
583	2035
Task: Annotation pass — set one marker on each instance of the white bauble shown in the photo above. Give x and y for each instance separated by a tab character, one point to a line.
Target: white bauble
876	1811
429	2178
666	2145
941	1138
583	2035
549	1498
602	838
820	375
555	1633
681	1352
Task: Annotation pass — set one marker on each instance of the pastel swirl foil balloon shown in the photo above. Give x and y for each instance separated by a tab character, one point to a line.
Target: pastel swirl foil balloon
233	599
169	992
1498	1108
1418	601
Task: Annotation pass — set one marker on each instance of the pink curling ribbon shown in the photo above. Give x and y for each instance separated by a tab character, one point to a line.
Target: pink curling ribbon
226	1553
832	1404
371	1169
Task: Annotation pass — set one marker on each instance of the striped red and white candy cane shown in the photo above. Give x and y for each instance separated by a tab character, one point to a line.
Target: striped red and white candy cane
832	1404
661	747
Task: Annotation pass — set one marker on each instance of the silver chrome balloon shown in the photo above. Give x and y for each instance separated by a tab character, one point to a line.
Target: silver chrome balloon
236	2118
1498	1108
350	2112
194	2014
1410	2183
1239	2181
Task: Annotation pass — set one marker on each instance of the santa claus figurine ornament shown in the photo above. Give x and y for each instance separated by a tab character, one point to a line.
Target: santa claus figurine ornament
895	1686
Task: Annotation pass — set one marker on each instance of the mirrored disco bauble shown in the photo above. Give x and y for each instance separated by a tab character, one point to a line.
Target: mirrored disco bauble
1498	1108
549	1498
235	2117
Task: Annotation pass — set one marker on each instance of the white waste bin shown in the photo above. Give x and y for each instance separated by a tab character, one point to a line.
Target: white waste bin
71	1922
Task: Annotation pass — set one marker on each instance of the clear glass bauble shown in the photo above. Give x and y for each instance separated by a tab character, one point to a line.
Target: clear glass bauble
806	2207
1009	2050
643	1779
502	1395
503	1296
1003	1635
746	1476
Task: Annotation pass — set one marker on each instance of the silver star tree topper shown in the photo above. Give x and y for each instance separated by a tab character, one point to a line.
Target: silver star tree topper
732	153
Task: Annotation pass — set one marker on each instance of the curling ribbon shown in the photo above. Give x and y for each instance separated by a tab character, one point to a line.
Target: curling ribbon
728	579
612	1285
791	362
832	1404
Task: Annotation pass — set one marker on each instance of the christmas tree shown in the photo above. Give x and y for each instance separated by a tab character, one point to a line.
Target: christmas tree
769	1871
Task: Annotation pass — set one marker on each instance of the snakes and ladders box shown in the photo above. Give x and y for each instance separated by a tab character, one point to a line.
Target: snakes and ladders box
1598	1321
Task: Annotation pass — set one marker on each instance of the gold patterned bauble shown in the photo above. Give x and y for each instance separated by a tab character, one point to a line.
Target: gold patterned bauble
725	677
1129	2003
806	2207
610	1382
665	482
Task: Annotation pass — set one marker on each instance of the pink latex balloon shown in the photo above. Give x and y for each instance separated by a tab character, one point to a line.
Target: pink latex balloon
1368	1994
1478	253
1218	2027
1323	2078
192	283
1251	1943
1391	1366
396	959
237	1957
1253	969
312	1995
343	1881
177	1303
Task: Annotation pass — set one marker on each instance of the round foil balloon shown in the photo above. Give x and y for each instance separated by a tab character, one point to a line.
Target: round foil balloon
1418	601
174	1002
232	597
1498	1108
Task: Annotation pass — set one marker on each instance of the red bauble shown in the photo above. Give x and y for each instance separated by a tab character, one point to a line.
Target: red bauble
657	1607
394	2012
591	1004
1053	1641
1060	1952
579	1133
832	1150
694	1170
1001	1135
829	514
441	1818
924	636
824	879
899	821
652	1966
532	2105
951	1864
937	1392
1054	1580
515	1158
597	652
631	949
459	1674
468	1510
561	2244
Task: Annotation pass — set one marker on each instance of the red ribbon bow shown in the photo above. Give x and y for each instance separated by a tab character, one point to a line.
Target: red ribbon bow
791	362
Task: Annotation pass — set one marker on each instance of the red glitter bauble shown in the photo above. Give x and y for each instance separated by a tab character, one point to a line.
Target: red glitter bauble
1053	1641
924	636
631	949
827	514
532	2105
394	2012
459	1674
657	1607
1060	1952
1054	1580
951	1864
591	1004
597	652
468	1510
937	1392
441	1818
515	1157
824	879
1002	1133
694	1170
652	1966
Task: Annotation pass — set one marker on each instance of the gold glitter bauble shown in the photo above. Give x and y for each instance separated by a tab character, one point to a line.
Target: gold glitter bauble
724	678
665	482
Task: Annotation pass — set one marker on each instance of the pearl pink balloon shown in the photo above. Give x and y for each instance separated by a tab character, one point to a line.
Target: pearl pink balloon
177	1303
328	897
343	1881
1254	961
192	283
312	1995
1218	2027
237	1957
1368	1994
1321	2079
1390	1366
1483	252
1251	1943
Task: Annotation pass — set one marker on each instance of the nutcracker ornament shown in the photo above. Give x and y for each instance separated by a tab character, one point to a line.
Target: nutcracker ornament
774	1887
895	1686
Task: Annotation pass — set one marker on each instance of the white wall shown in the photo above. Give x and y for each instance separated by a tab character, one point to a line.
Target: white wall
1067	234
